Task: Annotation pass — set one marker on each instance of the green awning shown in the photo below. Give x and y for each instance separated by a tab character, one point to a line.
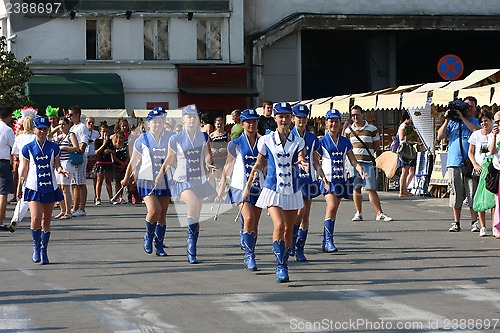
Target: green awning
89	91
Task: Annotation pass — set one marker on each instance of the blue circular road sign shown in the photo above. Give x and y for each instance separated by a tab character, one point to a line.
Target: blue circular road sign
450	67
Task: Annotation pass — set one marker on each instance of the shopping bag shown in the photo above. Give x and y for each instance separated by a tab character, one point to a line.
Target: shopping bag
483	199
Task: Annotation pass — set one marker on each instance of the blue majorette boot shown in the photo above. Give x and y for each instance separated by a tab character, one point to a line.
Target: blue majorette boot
249	242
159	236
36	235
242	242
281	261
193	232
295	232
148	237
43	249
301	242
328	236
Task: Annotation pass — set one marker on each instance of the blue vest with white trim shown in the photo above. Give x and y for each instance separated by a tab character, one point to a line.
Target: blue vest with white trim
245	158
41	176
153	154
333	157
190	157
281	177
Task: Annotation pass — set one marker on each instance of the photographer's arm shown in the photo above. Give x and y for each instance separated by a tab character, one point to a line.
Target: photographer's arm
472	127
442	130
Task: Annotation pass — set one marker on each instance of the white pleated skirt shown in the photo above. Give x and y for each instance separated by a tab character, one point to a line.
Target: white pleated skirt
269	198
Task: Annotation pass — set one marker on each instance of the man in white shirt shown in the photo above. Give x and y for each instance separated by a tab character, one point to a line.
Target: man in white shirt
6	179
79	177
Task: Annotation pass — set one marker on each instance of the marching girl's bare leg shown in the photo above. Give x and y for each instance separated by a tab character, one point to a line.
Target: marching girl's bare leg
194	204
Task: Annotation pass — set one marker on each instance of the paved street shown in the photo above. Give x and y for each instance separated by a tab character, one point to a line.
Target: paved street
408	275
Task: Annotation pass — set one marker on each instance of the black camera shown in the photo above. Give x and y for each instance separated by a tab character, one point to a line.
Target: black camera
456	105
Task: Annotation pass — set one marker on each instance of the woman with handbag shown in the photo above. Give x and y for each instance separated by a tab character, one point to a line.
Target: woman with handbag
406	132
68	143
478	150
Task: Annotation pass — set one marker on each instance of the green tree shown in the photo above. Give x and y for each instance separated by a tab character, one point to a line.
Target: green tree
14	75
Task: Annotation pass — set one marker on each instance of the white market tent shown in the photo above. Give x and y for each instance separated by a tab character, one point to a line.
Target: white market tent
109	115
478	78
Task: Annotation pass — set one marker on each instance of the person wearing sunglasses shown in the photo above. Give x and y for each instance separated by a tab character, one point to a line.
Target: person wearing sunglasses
365	142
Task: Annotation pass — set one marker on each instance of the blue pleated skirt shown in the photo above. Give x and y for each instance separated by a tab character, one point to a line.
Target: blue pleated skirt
234	195
342	190
144	188
202	191
32	195
310	191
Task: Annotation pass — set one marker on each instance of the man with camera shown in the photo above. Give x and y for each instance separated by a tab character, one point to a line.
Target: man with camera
458	125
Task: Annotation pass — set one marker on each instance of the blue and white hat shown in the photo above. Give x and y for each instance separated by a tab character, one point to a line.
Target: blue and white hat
41	122
190	110
155	113
282	107
300	110
249	114
333	114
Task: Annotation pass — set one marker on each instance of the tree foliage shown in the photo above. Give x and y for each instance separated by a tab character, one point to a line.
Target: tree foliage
14	75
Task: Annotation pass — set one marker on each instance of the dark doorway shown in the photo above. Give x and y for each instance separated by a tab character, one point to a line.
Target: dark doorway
338	62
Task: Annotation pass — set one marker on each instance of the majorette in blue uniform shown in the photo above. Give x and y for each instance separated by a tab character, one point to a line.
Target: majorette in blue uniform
191	148
190	172
41	185
333	155
308	180
245	157
282	186
153	153
41	182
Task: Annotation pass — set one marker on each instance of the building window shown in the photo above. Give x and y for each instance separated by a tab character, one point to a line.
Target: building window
99	39
209	40
156	40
